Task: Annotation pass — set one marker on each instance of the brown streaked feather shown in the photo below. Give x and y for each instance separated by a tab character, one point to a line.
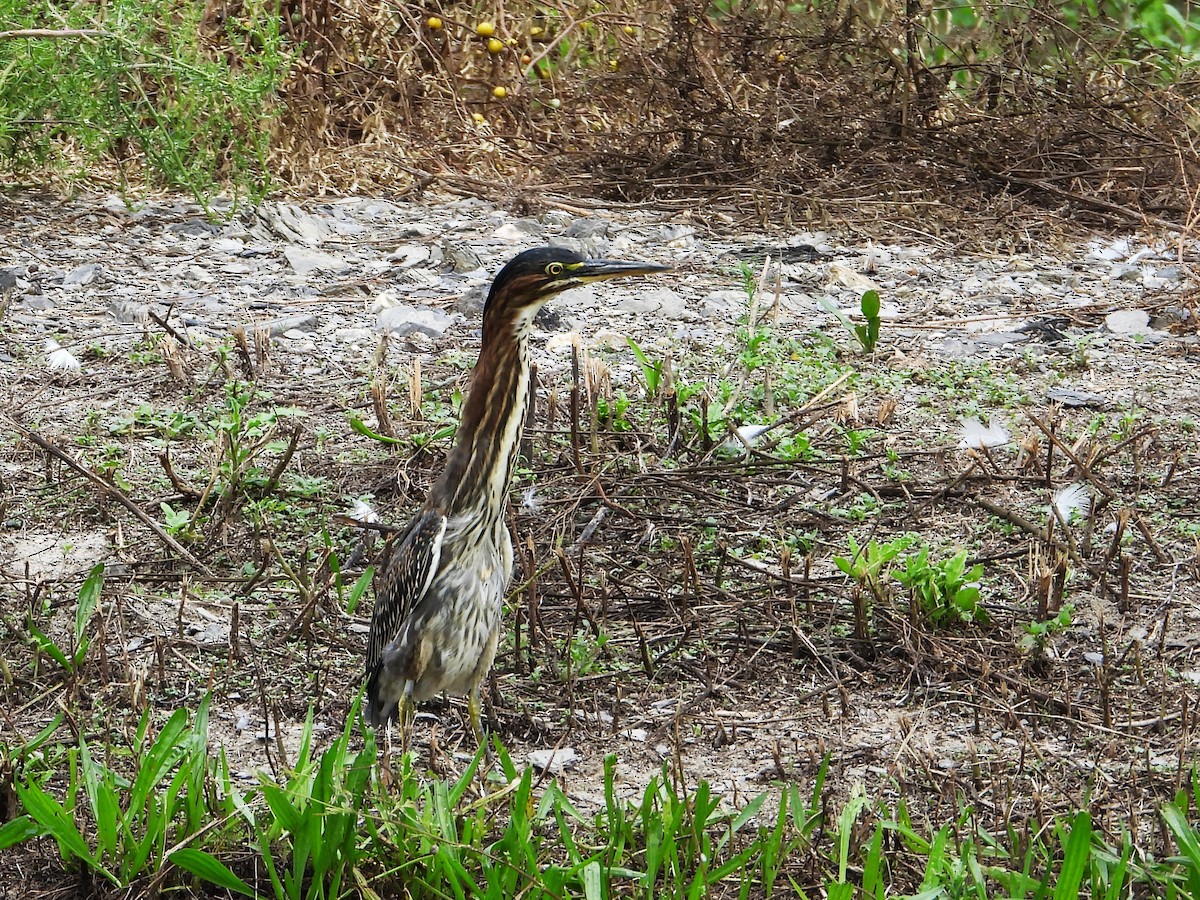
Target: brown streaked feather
401	583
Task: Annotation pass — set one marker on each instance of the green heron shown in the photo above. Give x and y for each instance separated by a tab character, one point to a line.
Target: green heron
440	587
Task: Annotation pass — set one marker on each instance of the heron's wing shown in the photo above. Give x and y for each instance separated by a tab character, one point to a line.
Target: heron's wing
403	578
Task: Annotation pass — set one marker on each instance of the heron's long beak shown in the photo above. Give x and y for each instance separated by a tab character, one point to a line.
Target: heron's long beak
600	269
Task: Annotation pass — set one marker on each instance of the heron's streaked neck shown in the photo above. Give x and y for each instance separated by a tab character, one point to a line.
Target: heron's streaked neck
480	466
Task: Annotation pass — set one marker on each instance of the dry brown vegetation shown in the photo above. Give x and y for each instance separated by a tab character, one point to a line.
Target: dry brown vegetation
801	113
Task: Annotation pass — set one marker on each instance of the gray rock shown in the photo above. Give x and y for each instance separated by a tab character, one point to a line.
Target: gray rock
588	228
129	312
549	319
408	255
470	302
553	761
194	228
461	259
8	281
663	301
1074	398
1128	322
82	275
304	261
999	338
520	230
298	323
720	304
290	222
401	320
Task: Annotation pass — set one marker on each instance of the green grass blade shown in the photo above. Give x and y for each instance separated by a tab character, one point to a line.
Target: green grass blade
872	881
17	831
1189	844
206	866
287	815
593	881
360	588
56	823
362	428
1076	855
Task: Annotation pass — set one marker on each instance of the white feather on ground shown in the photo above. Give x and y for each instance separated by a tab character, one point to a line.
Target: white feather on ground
1074	500
361	511
748	434
975	435
59	358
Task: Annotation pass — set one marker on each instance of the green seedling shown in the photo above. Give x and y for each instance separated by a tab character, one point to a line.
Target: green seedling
73	658
868	334
869	305
944	591
652	372
1038	633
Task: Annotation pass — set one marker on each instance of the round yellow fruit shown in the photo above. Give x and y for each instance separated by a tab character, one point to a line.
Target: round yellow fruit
434	22
495	45
555	103
526	59
485	29
629	29
499	92
478	117
535	31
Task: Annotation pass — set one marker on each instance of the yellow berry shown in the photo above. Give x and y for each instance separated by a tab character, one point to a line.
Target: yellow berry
526	59
782	57
612	63
478	117
494	45
485	29
629	29
499	92
434	22
535	31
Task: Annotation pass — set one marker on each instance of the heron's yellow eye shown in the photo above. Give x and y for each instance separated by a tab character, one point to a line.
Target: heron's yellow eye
554	269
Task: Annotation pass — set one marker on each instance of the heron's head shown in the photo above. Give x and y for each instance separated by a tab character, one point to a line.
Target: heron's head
533	277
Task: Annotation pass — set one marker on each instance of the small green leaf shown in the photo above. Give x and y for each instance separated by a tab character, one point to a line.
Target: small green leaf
870	304
89	596
360	588
47	646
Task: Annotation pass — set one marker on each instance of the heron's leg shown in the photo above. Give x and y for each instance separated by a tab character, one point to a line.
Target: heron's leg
406	712
473	712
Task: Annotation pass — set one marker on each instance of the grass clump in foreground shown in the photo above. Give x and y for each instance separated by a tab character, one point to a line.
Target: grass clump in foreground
165	810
